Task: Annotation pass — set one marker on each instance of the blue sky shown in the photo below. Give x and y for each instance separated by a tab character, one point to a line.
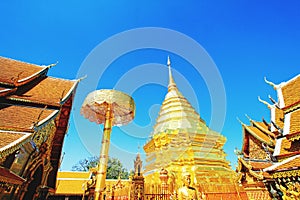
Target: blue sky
247	40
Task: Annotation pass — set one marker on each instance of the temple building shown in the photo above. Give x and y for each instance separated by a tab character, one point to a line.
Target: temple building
77	185
269	160
34	114
182	142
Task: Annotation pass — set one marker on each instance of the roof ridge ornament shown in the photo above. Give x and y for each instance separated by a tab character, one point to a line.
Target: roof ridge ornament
82	78
240	121
271	83
273	101
251	120
36	122
264	102
52	65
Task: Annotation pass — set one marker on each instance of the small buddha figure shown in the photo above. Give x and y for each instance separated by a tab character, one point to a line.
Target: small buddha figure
186	192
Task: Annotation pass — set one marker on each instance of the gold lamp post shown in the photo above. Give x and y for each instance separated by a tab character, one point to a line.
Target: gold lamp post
111	108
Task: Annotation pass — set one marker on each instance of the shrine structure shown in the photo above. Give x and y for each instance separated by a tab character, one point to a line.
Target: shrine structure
34	114
182	142
269	162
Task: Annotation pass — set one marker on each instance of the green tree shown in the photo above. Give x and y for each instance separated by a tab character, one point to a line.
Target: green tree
114	167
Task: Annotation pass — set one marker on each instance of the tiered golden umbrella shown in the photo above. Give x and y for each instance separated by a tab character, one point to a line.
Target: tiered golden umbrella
111	108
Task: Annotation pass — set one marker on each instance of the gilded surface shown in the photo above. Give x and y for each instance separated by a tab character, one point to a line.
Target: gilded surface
45	134
181	142
256	150
95	105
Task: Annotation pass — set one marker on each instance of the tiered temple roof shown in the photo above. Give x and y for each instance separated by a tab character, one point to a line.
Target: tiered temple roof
29	101
277	142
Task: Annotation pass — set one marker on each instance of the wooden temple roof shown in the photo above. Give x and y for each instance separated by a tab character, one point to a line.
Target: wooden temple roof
49	91
74	183
295	122
291	163
291	92
30	99
279	116
286	116
15	73
71	182
264	128
256	167
23	118
260	135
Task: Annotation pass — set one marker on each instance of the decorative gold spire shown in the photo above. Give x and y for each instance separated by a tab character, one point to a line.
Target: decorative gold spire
172	84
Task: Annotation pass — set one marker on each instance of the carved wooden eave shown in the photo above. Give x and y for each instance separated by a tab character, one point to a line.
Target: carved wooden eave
10	147
42	123
30	78
267	141
289	164
293	136
58	139
286	174
257	174
8	177
70	92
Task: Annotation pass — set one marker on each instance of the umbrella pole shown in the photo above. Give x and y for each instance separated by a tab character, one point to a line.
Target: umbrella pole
101	173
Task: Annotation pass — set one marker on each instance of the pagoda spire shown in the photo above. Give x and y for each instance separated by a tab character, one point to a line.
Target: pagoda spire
172	84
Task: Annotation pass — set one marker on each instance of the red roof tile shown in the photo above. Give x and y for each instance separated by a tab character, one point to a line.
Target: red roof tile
22	118
263	127
49	91
295	122
13	70
7	137
261	136
288	148
291	91
279	115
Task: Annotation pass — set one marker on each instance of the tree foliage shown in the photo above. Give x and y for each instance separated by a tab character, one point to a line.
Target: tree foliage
114	167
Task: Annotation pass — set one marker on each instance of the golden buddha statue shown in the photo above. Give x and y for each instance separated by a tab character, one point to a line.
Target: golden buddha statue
187	192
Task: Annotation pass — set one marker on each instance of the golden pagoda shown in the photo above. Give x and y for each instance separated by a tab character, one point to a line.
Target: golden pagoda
182	142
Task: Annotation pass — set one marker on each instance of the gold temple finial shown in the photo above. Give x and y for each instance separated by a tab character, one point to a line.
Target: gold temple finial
171	80
264	102
270	83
